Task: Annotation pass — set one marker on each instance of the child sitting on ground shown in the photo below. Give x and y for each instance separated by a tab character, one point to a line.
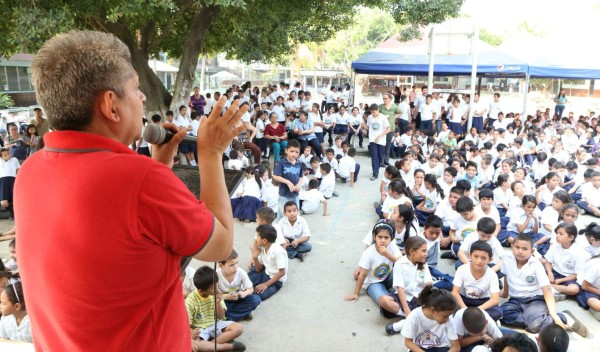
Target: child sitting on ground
429	327
486	208
200	306
348	168
376	264
476	284
522	220
327	185
237	289
311	199
234	163
531	304
295	231
266	216
14	324
397	194
269	263
564	260
591	196
589	295
464	224
410	276
475	327
484	233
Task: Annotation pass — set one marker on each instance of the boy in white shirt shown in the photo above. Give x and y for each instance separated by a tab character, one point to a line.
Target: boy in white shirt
330	159
531	303
348	168
475	284
327	186
310	200
485	233
447	181
591	196
295	231
464	224
475	327
237	289
270	263
446	211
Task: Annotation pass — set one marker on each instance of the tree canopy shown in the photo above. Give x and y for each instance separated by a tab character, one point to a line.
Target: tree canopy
247	30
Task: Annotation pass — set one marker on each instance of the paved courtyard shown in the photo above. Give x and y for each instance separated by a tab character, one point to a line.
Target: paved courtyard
309	313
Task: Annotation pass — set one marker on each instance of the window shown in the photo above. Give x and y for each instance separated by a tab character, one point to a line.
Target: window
12	79
24	81
3	83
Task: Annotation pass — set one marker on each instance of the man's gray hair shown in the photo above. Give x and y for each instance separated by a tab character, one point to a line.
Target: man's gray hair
71	69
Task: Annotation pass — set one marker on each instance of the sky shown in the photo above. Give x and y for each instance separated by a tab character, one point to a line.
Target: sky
549	16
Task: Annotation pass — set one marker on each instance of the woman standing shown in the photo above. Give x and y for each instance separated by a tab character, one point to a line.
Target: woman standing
197	101
561	101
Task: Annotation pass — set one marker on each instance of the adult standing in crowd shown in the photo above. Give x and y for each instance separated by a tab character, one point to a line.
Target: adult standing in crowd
392	112
197	101
41	124
561	102
419	102
129	212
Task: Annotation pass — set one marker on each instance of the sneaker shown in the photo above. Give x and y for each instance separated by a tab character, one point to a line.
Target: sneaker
335	194
238	346
559	296
301	256
376	205
343	180
578	327
249	317
581	212
448	255
389	329
373	178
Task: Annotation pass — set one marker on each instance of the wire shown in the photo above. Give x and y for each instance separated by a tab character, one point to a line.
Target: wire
215	314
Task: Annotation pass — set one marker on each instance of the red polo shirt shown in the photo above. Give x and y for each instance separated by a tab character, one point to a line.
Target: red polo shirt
101	234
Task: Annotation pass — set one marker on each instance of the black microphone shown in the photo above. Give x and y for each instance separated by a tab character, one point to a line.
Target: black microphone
157	134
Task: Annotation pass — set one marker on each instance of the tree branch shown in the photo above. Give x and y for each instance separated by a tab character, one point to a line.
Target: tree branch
184	6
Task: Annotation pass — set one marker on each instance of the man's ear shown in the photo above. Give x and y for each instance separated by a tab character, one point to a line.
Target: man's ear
106	101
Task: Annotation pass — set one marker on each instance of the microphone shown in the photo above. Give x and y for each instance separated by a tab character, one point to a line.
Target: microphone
157	134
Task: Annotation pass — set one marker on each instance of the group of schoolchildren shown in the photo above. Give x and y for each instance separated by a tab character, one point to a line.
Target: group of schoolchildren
484	190
14	321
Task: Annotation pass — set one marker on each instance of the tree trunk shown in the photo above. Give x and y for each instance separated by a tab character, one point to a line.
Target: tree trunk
158	98
189	58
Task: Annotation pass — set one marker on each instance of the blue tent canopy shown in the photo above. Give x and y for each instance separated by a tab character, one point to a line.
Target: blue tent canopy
489	63
557	68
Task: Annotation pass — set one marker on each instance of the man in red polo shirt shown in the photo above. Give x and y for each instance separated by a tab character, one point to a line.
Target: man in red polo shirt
101	267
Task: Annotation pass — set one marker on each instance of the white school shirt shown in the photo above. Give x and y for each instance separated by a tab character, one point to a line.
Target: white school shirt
490	329
494	214
591	273
376	127
377	266
342	119
472	288
473	237
390	203
406	140
333	162
404	110
240	281
462	228
311	200
337	151
501	196
346	166
583	242
293	232
527	281
420	101
446	213
494	109
272	195
329	119
518	216
445	187
433	250
546	195
252	189
315	118
485	176
438	170
235	164
181	121
591	193
293	105
407	276
11	331
273	260
280	111
432	199
568	261
305	160
260	129
427	111
549	217
427	333
8	168
327	185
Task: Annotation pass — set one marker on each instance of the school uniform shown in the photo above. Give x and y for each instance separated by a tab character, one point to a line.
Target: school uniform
447	214
546	196
253	194
526	307
293	232
9	329
409	277
491	328
591	274
427	333
327	186
497	250
583	242
517	216
273	260
379	268
377	125
475	292
462	228
311	200
567	261
549	217
347	165
389	204
432	199
589	192
238	310
501	196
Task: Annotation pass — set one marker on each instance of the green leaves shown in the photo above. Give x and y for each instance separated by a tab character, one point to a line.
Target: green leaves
5	101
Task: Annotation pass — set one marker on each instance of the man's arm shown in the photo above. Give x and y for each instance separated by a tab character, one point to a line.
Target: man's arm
214	136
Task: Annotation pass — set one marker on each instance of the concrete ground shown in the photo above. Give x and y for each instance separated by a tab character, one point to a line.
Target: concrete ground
309	313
